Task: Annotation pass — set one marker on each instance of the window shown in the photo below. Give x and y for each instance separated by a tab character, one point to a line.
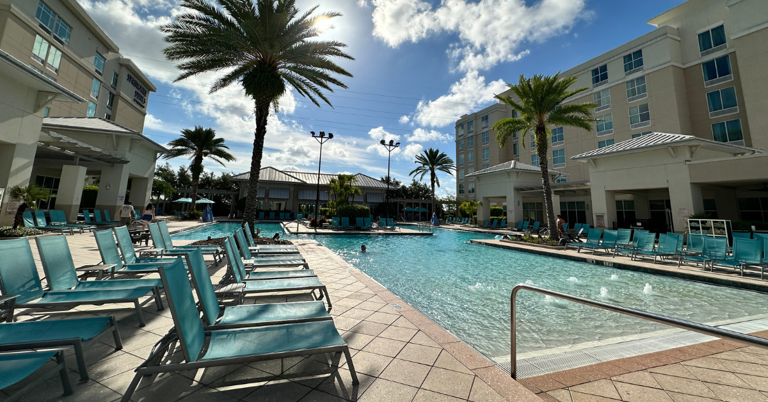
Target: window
470	127
753	209
461	174
717	70
633	61
47	112
471	157
470	142
604	143
711	39
515	149
639	116
535	160
91	112
470	169
471	188
561	179
107	116
460	129
461	159
602	99
558	157
533	143
557	136
461	189
641	134
485	165
604	124
95	88
728	131
710	207
45	16
98	63
533	211
573	212
625	213
722	102
115	77
110	100
486	154
461	145
636	89
62	31
484	121
40	50
54	59
600	74
52	185
486	137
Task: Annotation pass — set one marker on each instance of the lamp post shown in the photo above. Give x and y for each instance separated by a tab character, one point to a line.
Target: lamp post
322	139
390	146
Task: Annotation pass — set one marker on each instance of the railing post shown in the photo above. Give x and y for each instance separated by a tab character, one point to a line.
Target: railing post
513	333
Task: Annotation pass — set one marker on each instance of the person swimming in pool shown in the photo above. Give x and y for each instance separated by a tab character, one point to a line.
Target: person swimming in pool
362	248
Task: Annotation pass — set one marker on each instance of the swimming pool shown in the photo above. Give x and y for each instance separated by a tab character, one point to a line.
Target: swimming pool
465	288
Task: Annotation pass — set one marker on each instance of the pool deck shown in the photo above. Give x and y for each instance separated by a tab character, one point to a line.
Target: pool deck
294	229
399	354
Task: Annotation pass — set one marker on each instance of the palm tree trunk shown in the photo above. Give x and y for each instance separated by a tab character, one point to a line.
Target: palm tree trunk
541	150
432	176
251	202
196	170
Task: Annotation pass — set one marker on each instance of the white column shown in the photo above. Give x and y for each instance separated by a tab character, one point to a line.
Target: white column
71	190
15	170
685	200
484	211
604	202
514	207
556	204
112	187
141	192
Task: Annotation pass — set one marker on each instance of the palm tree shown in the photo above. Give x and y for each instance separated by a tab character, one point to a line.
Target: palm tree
198	144
342	189
540	108
262	45
29	195
431	162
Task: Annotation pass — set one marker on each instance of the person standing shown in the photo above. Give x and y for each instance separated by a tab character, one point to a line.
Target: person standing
126	214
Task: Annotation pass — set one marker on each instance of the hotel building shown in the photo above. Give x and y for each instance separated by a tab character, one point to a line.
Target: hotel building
682	129
71	106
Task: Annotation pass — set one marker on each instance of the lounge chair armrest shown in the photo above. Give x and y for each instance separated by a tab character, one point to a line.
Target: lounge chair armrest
151	252
10	302
99	269
5	299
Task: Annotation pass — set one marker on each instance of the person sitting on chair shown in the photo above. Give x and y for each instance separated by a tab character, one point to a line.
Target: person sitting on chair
147	216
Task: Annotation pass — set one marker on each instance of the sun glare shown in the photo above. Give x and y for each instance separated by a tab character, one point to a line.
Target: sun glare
324	25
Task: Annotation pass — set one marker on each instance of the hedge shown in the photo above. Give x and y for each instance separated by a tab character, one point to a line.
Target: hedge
353	211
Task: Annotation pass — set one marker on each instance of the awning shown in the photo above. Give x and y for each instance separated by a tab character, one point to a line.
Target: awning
60	143
260	195
312	195
375	197
358	198
278	193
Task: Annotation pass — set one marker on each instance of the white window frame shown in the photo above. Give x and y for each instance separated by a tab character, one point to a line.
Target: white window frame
561	179
484	121
723	111
641	134
602	120
602	99
641	122
98	88
560	137
605	143
67	29
486	154
472	128
460	130
725	123
486	165
46	28
471	188
91	110
600	81
720	79
115	79
714	48
461	159
486	138
53	61
104	63
633	62
470	142
461	188
559	151
471	157
515	149
634	83
535	160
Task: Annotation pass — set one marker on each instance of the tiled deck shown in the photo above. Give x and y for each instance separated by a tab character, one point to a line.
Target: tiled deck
400	355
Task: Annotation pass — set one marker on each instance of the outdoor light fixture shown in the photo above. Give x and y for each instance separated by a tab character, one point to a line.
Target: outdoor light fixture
322	139
390	147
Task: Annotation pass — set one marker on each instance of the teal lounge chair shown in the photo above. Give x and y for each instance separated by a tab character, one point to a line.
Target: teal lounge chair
698	250
16	366
232	346
239	263
592	243
18	276
261	215
60	271
764	238
107	218
271	261
519	226
244	285
215	251
271	216
494	225
359	223
391	222
367	224
60	334
43	224
99	221
59	219
608	244
129	253
263	249
31	222
534	228
345	223
746	252
87	217
485	224
670	245
110	256
246	315
741	235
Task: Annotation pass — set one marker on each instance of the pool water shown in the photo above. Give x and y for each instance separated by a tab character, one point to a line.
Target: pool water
465	288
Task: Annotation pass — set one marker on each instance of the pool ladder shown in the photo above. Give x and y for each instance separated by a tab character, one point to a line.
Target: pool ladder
662	319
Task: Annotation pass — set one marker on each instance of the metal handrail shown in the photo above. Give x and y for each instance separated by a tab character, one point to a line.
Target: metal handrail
662	319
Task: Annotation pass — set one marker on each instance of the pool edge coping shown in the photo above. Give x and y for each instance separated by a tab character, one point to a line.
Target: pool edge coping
481	366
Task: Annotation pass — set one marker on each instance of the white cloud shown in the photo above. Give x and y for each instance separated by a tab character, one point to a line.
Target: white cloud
421	134
489	31
465	95
378	134
404	119
411	150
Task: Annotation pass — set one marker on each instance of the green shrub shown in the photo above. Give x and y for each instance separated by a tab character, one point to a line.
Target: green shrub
535	240
353	211
325	211
747	225
194	214
497	211
7	231
315	223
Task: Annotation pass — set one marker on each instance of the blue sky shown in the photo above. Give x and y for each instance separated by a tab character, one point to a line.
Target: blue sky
420	64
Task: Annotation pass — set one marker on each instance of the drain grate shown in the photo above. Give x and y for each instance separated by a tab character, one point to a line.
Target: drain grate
396	306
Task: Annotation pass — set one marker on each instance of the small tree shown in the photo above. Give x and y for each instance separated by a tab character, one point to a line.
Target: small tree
431	162
29	195
342	189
